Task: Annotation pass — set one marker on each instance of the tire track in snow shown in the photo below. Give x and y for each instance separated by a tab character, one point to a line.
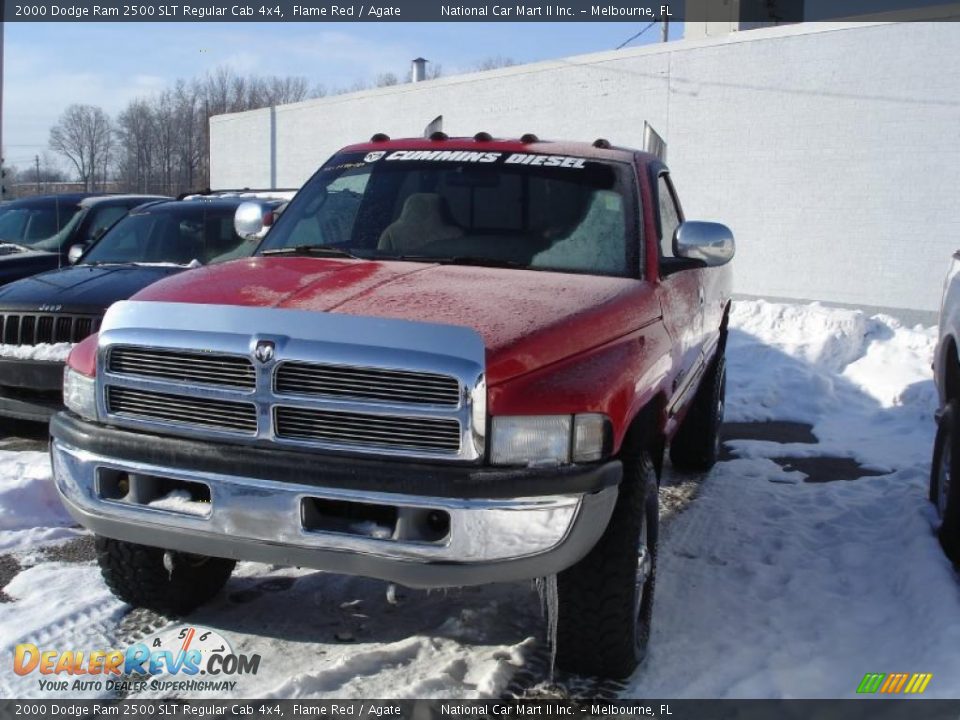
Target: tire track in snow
350	670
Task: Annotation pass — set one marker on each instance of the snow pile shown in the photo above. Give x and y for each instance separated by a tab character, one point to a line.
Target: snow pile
284	195
776	588
54	352
180	501
30	511
864	383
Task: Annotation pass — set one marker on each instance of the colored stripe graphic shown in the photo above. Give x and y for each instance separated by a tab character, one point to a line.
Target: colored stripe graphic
871	682
894	683
918	683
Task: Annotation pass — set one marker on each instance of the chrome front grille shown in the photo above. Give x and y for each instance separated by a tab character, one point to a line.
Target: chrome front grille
364	429
293	378
203	412
303	403
184	366
38	329
362	383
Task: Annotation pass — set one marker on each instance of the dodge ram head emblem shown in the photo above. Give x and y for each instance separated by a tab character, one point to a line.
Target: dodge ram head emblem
264	351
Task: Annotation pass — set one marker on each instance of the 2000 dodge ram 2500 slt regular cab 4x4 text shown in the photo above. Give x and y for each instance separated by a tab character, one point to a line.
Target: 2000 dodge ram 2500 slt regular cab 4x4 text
450	362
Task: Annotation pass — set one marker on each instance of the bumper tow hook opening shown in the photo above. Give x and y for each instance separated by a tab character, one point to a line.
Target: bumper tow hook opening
378	522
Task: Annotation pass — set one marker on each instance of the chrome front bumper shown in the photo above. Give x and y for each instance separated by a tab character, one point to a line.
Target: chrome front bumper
489	540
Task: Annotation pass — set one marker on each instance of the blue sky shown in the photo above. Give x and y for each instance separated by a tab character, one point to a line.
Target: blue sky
51	65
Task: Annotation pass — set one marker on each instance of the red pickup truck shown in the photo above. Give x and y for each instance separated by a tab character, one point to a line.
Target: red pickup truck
450	362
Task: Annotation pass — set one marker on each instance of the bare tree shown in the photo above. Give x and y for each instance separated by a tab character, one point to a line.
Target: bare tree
387	79
494	62
134	136
269	91
84	136
163	142
50	170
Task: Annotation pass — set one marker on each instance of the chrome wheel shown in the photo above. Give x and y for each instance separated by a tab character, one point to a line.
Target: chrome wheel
943	478
644	566
721	399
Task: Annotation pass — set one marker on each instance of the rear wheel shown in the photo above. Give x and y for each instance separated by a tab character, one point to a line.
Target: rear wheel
696	446
605	601
171	583
945	479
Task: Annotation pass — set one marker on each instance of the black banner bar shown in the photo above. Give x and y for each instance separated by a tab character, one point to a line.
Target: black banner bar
747	12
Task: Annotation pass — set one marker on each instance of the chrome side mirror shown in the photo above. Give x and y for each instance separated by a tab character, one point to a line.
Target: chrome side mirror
74	253
707	241
252	220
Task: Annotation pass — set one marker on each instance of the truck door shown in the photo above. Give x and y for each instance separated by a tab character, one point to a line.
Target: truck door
681	297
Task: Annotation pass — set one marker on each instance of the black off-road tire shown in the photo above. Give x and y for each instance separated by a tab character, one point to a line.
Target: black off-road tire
945	477
136	574
603	617
696	446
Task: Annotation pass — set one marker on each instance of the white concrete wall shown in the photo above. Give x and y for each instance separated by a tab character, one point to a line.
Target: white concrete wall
833	151
242	150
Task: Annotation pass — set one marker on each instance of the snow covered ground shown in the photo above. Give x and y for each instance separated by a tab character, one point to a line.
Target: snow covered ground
43	351
771	584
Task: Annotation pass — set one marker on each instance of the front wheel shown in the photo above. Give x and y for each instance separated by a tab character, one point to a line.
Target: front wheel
945	479
171	583
605	601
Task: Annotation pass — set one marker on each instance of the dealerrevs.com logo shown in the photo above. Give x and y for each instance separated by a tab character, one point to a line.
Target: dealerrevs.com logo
181	659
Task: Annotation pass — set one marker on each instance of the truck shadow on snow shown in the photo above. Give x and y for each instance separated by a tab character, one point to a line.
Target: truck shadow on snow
305	606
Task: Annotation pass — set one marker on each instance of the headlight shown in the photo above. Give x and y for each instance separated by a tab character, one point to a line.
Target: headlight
548	439
80	393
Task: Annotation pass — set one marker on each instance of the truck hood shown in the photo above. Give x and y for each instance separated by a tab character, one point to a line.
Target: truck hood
16	265
526	318
96	286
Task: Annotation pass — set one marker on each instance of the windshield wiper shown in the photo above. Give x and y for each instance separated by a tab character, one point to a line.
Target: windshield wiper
318	250
463	260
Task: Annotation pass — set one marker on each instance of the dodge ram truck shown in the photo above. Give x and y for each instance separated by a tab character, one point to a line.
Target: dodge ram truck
449	362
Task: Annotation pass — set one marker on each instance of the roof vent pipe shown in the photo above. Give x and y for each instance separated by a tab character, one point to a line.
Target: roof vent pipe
418	71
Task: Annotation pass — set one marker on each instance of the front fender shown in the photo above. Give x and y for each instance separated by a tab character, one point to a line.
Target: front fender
617	379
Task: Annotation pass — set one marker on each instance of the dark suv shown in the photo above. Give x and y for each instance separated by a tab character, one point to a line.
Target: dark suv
41	317
36	233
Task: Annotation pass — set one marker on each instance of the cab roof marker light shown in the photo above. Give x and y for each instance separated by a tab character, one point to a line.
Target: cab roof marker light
483	136
528	138
380	137
439	136
602	143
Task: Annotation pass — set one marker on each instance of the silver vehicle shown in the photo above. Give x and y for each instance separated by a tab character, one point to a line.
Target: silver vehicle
944	493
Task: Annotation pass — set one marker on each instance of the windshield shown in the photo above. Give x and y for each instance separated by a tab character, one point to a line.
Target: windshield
33	223
178	233
544	212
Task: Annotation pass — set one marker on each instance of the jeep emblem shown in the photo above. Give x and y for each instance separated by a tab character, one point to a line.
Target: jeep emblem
264	351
